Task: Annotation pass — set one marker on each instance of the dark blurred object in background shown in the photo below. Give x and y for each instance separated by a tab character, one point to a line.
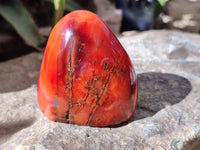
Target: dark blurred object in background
137	15
87	4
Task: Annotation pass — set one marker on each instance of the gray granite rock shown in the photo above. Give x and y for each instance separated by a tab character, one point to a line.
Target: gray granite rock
110	15
167	115
19	73
182	15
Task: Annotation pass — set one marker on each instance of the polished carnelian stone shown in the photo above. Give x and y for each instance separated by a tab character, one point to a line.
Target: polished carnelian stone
86	77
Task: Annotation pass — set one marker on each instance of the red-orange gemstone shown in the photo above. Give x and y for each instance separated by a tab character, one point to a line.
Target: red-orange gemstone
86	77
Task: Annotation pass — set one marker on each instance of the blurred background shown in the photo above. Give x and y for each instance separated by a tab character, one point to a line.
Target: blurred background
25	26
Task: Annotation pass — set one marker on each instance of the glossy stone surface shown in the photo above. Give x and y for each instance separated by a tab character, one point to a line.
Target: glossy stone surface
86	77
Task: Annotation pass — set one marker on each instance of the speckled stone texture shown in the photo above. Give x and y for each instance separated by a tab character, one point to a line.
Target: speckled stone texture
167	115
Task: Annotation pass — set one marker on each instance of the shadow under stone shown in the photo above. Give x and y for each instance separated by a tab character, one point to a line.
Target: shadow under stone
156	91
